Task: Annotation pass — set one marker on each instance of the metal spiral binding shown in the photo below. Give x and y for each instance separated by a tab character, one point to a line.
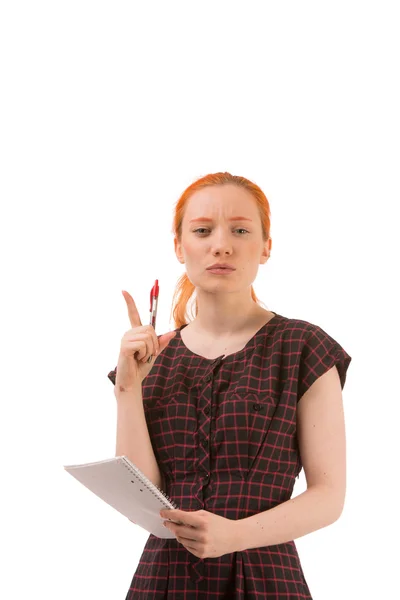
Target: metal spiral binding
146	482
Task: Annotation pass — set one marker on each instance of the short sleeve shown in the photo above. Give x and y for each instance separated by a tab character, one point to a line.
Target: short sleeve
319	354
112	375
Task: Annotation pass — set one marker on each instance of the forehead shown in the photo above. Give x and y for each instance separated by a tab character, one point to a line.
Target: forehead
222	201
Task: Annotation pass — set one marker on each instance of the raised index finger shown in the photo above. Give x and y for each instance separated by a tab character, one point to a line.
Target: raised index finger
133	314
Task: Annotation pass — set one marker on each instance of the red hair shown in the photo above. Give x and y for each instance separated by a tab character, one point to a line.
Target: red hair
184	288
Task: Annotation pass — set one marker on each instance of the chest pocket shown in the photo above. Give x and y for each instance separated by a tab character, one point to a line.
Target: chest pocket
242	426
172	424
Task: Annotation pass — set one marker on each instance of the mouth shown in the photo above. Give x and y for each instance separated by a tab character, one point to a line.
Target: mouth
223	270
222	266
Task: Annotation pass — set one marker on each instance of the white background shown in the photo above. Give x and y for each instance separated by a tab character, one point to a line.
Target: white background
109	110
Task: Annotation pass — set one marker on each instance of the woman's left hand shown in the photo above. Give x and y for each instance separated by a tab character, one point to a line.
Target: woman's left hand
203	533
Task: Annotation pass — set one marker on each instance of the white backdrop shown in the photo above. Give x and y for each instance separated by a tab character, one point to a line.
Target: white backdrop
109	110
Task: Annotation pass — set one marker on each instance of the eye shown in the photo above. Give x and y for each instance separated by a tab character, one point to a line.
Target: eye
204	228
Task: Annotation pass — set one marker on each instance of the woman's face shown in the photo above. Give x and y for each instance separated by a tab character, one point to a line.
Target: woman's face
212	233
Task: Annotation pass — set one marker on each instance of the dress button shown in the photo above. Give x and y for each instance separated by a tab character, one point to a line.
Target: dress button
207	410
207	378
204	442
256	406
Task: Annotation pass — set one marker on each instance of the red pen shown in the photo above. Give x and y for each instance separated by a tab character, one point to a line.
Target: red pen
153	308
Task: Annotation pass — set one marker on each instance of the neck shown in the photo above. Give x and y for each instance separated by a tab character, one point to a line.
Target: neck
217	323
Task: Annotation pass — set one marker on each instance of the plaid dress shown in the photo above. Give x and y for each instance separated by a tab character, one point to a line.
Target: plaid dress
224	436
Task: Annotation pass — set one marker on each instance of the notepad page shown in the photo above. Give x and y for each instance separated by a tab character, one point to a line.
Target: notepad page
124	486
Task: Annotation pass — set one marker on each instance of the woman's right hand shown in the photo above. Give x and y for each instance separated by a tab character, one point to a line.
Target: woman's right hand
137	345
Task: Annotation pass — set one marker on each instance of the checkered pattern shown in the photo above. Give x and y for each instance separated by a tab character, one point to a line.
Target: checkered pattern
224	436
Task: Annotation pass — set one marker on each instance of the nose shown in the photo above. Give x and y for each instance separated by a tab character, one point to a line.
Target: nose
221	244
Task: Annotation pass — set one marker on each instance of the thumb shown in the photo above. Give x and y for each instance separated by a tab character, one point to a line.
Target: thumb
165	339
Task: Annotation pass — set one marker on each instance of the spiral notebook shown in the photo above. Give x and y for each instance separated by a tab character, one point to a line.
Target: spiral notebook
126	488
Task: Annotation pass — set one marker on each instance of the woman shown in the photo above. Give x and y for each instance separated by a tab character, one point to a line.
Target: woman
239	399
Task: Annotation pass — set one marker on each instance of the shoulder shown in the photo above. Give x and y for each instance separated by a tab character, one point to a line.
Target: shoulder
303	332
295	330
312	351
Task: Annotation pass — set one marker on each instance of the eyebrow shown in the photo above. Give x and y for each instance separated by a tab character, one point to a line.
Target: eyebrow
231	219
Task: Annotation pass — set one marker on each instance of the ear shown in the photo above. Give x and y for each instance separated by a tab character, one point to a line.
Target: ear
178	251
266	251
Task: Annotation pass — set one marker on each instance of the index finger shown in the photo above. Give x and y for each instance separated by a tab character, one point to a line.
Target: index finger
133	314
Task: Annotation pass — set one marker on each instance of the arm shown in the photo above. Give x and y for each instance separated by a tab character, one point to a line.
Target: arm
322	445
133	439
